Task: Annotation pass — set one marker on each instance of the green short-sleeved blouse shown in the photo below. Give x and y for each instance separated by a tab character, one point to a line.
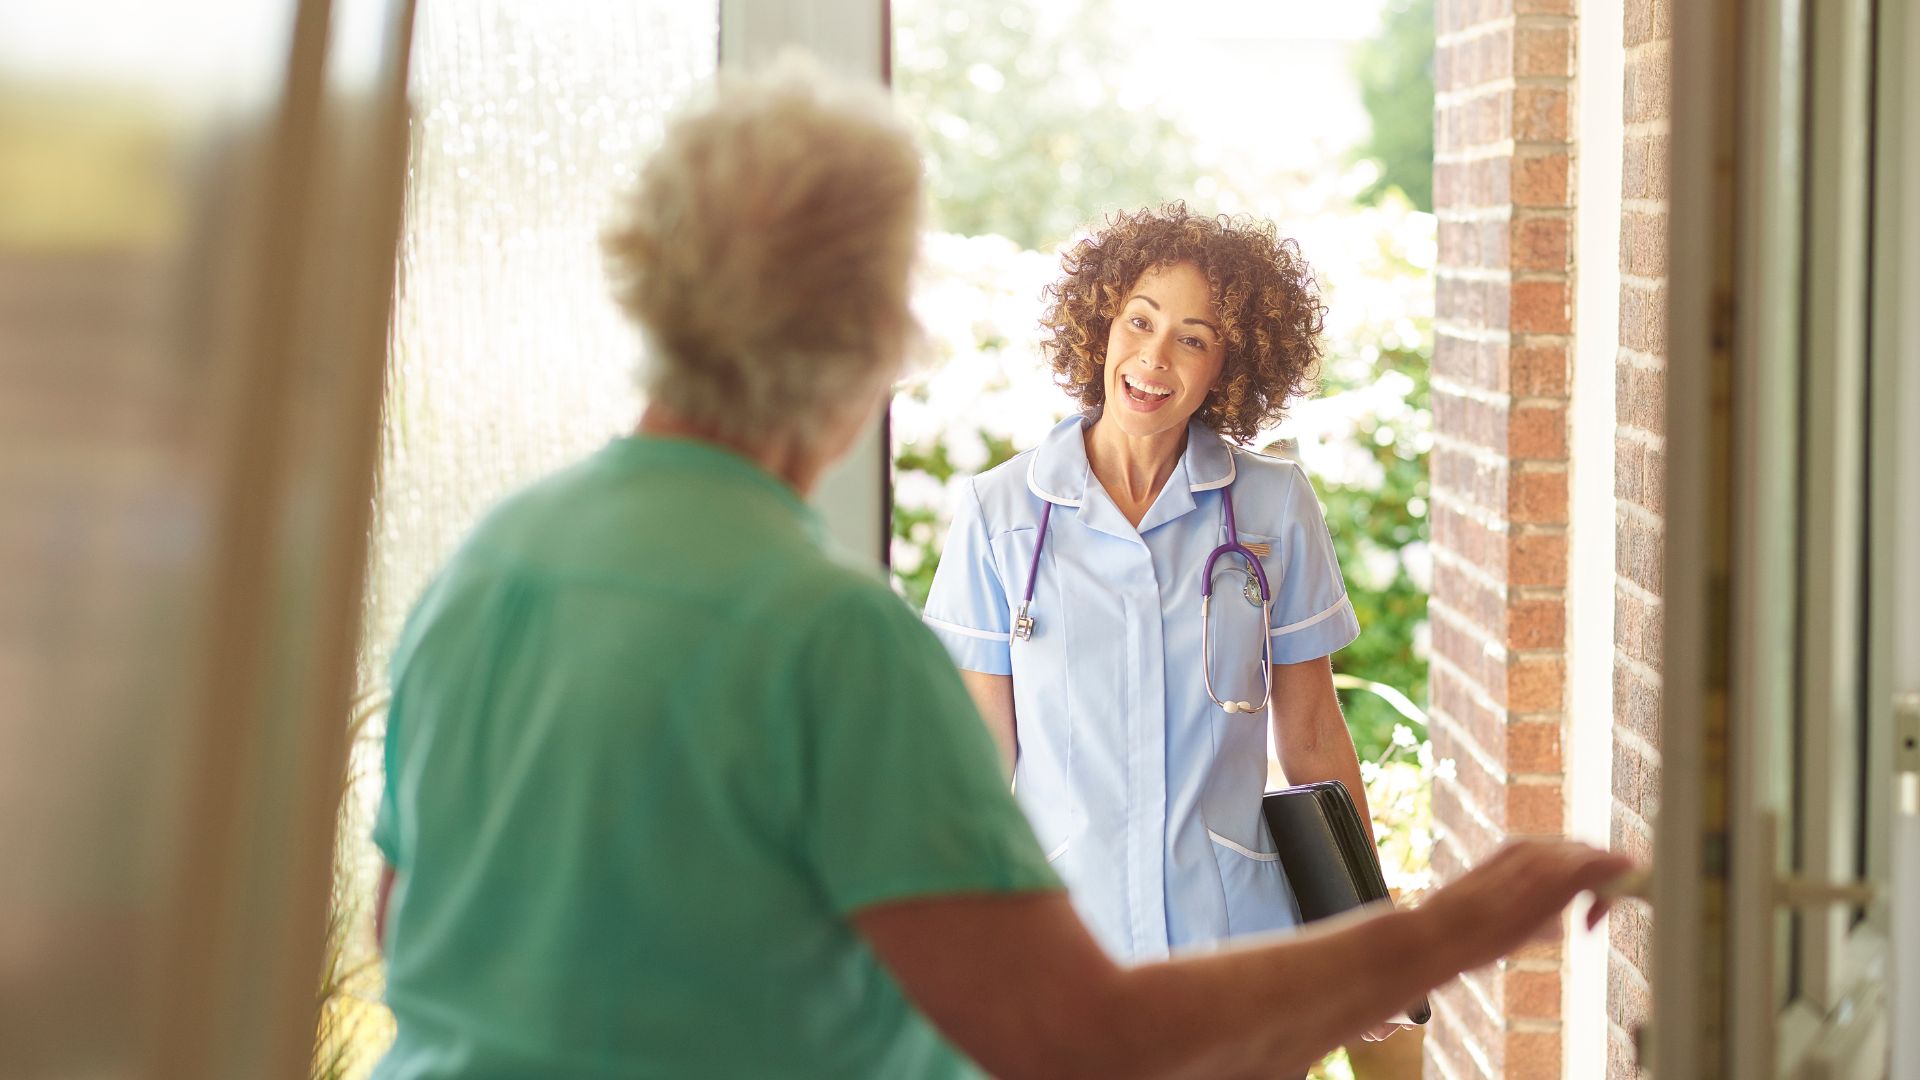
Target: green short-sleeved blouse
649	746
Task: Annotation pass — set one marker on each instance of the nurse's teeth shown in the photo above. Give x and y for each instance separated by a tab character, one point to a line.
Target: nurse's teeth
1157	391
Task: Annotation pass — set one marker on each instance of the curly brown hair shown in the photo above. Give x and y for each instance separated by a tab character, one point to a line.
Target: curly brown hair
1269	305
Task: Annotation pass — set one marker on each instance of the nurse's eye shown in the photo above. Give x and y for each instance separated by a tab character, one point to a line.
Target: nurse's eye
1194	343
1138	323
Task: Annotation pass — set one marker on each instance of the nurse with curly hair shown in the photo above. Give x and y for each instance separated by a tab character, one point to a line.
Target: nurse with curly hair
1071	589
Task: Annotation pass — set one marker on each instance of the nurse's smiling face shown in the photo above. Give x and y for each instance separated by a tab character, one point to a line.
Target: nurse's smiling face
1164	351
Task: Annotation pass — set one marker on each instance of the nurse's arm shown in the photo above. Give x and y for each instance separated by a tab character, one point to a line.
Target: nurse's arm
993	696
1018	983
1310	733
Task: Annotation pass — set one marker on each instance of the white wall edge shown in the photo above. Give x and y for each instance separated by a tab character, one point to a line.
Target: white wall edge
1599	89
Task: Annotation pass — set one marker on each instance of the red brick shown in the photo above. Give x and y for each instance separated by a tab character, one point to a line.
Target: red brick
1533	1053
1536	624
1643	243
1481	364
1472	598
1534	746
1537	559
1543	50
1542	307
1451	16
1533	995
1639	551
1538	369
1468	718
1477	481
1470	185
1465	1012
1636	705
1480	422
1647	93
1475	301
1629	997
1538	497
1622	1058
1485	791
1533	685
1475	842
1448	861
1629	836
1464	647
1538	432
1643	167
1468	539
1537	243
1637	627
1646	20
1640	398
1540	180
1539	114
1629	932
1639	477
1636	781
1535	809
1643	317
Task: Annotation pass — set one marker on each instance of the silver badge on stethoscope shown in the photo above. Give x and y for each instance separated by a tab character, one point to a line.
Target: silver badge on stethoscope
1251	590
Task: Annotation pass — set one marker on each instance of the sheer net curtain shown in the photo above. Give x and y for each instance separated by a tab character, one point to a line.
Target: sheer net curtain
507	357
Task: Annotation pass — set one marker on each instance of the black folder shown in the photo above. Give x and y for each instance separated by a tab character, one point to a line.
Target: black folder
1328	854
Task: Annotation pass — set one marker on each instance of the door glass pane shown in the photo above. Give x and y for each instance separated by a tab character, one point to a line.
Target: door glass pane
508	357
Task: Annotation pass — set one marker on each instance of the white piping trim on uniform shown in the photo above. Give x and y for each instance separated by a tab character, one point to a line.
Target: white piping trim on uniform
1034	485
1061	850
1260	856
1345	602
1232	469
985	635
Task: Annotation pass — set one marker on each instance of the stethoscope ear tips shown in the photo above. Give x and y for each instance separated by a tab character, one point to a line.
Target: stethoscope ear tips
1237	707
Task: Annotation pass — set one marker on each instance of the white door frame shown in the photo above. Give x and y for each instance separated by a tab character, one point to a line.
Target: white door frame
1693	705
851	37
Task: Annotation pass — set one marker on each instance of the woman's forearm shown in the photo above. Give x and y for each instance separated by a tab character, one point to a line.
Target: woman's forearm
1275	1009
1310	734
1331	757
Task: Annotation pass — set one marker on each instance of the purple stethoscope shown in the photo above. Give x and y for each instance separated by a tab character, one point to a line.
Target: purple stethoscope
1256	592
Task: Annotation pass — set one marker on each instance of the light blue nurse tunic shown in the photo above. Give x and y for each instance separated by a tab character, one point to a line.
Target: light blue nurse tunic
1144	793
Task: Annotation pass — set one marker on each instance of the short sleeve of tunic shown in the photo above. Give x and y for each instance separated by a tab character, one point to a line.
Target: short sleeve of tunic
387	833
1312	616
967	607
903	790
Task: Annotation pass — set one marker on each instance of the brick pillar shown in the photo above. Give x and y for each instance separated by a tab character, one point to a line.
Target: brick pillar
1640	447
1503	76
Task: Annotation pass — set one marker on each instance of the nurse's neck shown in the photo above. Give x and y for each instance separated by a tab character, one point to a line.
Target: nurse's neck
1133	468
785	456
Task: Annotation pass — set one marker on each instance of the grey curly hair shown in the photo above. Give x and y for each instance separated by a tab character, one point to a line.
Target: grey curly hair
765	253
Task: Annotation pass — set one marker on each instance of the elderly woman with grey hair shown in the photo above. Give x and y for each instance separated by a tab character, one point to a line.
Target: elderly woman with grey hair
672	792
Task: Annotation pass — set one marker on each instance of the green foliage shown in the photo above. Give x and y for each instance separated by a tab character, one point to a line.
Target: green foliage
926	526
1395	73
1368	523
1020	110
